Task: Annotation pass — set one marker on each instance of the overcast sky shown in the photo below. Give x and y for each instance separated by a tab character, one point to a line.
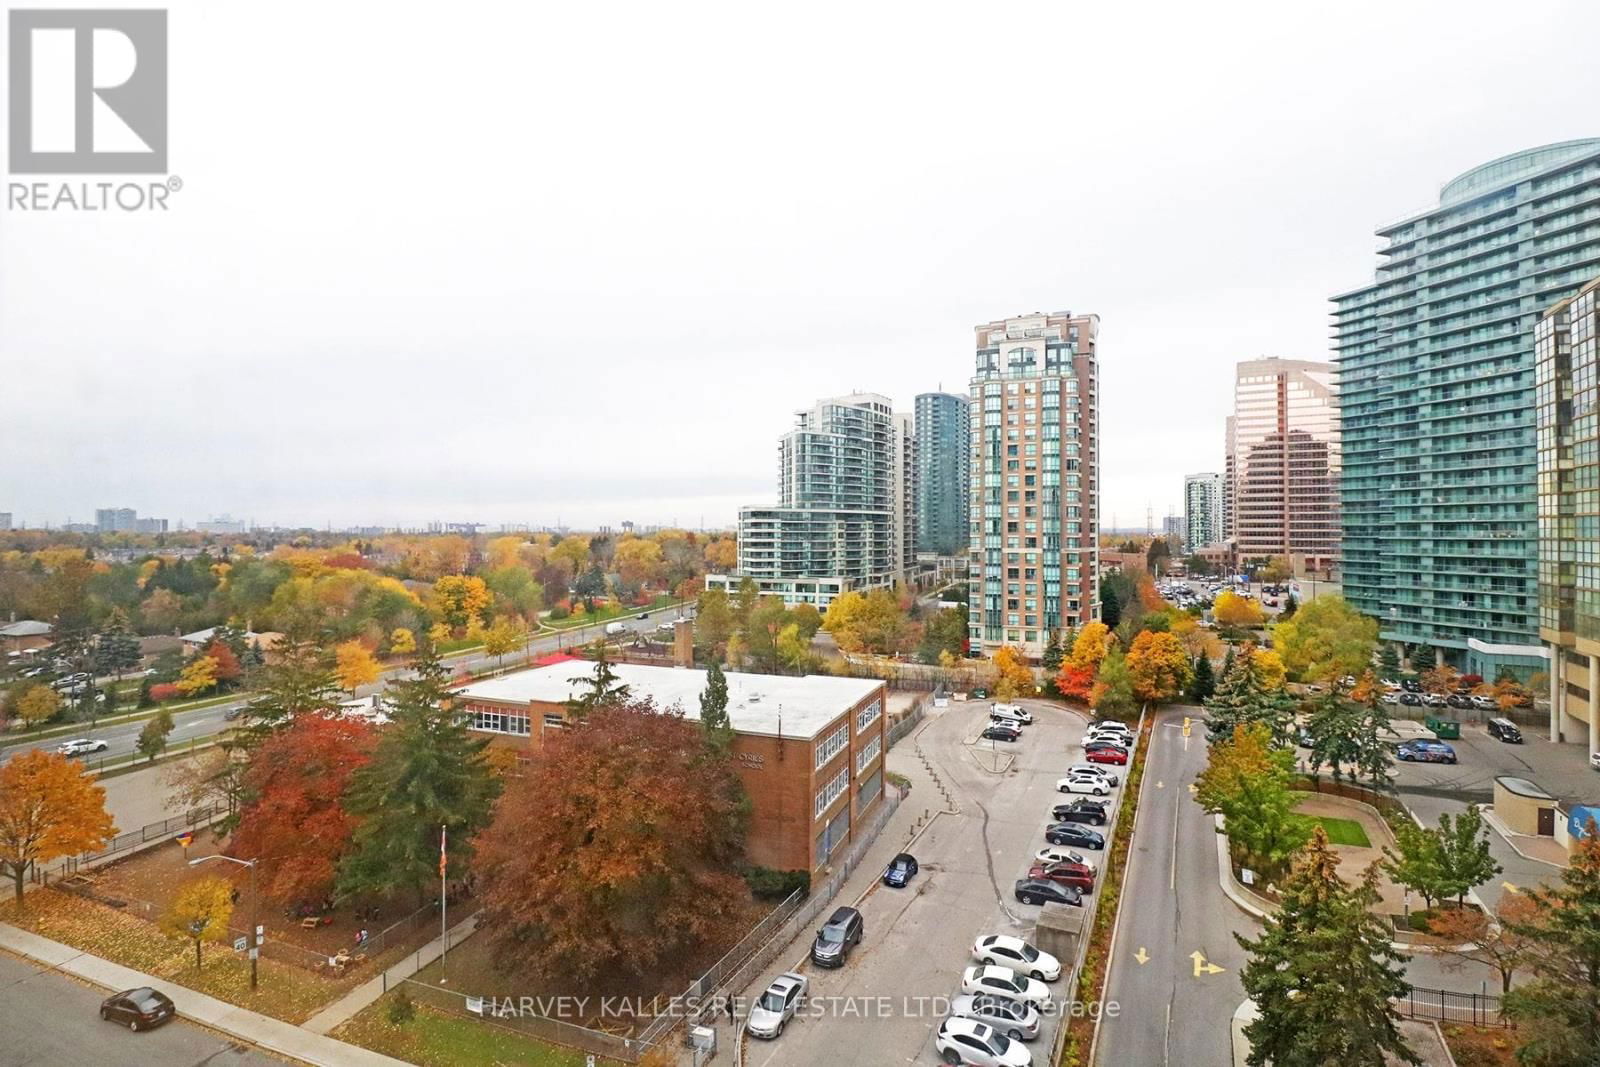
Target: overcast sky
520	262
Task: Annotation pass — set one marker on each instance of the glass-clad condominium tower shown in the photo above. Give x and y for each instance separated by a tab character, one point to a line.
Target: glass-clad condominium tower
944	437
1035	481
1202	509
1436	379
1567	346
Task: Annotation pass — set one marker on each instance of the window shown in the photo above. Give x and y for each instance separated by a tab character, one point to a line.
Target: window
868	791
868	753
832	745
500	722
554	718
832	791
868	715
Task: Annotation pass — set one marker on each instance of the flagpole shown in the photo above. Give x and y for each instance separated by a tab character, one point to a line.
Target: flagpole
443	862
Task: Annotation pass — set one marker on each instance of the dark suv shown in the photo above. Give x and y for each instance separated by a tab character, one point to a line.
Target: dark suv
1505	730
841	933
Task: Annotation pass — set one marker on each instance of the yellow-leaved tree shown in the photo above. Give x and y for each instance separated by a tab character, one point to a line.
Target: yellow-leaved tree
402	642
1159	666
1231	609
354	666
460	599
200	912
1014	678
198	677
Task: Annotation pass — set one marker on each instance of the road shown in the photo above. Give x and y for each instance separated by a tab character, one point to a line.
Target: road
919	939
1173	1008
203	723
48	1018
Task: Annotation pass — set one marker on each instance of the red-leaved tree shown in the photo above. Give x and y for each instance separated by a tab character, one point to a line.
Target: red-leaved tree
292	818
616	851
227	663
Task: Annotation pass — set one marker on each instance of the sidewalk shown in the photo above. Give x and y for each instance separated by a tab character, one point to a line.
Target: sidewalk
1539	849
271	1034
346	1007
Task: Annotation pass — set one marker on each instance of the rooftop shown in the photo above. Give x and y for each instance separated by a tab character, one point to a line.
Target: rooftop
1523	788
756	702
25	628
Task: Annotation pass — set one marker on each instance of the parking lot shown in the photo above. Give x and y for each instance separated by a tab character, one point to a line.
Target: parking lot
885	1003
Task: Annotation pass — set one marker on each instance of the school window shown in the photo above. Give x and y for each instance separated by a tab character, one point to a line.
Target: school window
832	745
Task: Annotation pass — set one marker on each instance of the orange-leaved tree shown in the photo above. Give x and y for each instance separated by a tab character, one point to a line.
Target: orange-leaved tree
1159	666
354	666
615	851
49	808
1082	665
1013	677
293	819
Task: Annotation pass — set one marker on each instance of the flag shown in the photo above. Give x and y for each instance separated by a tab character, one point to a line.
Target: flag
186	838
444	859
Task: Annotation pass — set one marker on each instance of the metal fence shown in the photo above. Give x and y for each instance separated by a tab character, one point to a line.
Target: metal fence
513	1018
1449	1006
907	722
132	839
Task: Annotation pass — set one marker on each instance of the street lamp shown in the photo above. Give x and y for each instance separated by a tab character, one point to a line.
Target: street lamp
255	903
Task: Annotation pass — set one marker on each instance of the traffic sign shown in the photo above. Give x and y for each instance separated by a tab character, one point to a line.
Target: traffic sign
238	944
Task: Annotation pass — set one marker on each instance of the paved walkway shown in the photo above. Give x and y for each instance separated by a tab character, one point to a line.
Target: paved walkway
347	1006
272	1034
1539	849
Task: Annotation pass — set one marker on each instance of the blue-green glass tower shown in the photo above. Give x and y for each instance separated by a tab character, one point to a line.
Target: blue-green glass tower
1436	389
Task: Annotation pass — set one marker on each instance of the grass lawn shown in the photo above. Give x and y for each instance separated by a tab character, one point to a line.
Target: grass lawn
442	1039
1473	1047
1341	831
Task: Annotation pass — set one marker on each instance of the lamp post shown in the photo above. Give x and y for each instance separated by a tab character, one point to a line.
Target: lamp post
255	903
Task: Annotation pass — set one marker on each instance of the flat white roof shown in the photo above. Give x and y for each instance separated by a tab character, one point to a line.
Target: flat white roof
756	702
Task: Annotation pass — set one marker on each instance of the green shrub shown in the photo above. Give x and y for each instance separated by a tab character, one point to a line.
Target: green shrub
768	884
558	613
402	1009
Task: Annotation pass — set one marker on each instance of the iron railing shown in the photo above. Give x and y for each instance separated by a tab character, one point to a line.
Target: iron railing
1449	1006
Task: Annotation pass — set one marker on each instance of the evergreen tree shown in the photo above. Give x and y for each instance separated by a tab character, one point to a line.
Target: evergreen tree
145	699
1203	682
116	649
1243	697
1558	1012
427	773
1290	606
1322	973
301	682
714	710
602	687
1051	660
1388	661
1110	605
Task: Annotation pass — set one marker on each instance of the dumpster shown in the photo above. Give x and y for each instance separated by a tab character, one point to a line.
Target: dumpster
1444	729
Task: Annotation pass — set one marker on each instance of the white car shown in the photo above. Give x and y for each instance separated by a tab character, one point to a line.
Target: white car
1056	854
1018	1021
1006	982
1594	760
78	746
969	1041
1012	711
777	1006
1106	738
1095	768
1003	950
1083	783
1391	698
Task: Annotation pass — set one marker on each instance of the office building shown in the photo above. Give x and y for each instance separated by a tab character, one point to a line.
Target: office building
1035	471
1567	363
944	457
834	528
222	524
1202	509
906	493
115	520
1281	462
5	520
810	751
1436	378
1173	529
150	526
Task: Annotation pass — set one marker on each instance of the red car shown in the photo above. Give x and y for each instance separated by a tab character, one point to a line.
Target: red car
1106	755
1074	874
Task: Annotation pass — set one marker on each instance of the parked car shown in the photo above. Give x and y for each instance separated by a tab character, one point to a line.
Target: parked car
987	978
1411	685
1435	700
1423	751
1080	811
1039	891
841	933
1594	760
1012	711
901	870
979	693
1003	950
1391	698
777	1006
1055	854
1115	729
1410	699
1505	730
80	745
999	732
1107	754
1018	1021
1071	874
1083	783
138	1009
1074	836
1458	700
1089	768
1002	719
961	1040
1485	703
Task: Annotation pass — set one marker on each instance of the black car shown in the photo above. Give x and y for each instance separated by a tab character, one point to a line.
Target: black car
1002	733
1074	836
1458	700
138	1009
1039	891
1411	685
1505	730
1410	699
1080	811
1101	746
901	870
841	933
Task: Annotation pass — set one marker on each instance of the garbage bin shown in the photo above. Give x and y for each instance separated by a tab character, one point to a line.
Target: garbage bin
1444	729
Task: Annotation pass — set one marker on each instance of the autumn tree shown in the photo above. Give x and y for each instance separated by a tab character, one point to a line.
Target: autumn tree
293	819
226	660
721	555
37	704
1326	640
402	642
198	677
1078	671
638	561
49	808
460	598
1158	665
1323	974
713	624
1558	1012
426	772
871	622
506	635
1246	781
200	912
1014	678
1113	693
1234	611
1442	679
615	851
152	740
354	666
1466	935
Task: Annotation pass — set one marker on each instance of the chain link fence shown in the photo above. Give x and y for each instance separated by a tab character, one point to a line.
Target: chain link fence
146	834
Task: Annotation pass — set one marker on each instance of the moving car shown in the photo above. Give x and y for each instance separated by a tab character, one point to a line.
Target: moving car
1003	950
614	628
1106	754
777	1006
1075	836
1505	730
79	745
1089	768
901	870
961	1040
642	615
1083	783
1018	1021
138	1009
987	978
1055	854
1062	874
998	732
1080	810
841	933
1424	751
1039	891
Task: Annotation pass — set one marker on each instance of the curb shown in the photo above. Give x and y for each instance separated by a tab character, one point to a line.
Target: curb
1508	837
